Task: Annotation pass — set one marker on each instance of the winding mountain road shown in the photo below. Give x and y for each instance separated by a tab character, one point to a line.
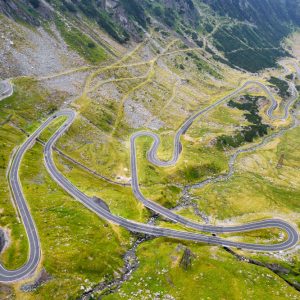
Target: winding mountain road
152	157
102	212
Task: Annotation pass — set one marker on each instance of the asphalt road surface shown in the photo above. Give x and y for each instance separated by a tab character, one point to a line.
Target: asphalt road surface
31	231
20	202
152	157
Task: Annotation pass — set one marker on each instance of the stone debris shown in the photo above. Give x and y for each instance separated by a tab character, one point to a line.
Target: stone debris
138	116
43	277
18	43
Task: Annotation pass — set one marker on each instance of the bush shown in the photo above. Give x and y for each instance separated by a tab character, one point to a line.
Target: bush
248	133
69	6
170	17
35	3
281	85
88	9
158	11
91	45
135	10
112	29
81	43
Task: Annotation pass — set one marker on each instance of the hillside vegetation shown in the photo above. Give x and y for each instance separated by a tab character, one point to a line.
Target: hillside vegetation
131	65
248	34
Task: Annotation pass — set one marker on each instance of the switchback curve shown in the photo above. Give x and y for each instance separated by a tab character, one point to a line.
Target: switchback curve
31	231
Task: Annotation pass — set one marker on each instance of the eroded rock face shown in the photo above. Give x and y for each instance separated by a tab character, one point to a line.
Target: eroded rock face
27	52
138	116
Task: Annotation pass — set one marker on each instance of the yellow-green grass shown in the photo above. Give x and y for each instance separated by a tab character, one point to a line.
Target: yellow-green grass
29	103
189	213
120	199
16	253
277	162
54	125
261	236
226	116
87	144
214	274
93	189
259	185
166	223
196	163
166	195
156	183
246	193
101	115
73	239
291	262
121	71
81	43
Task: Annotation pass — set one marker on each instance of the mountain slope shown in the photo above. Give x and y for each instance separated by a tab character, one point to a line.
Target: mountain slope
132	65
248	34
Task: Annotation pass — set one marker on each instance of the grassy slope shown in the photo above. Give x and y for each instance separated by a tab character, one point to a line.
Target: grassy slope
196	155
258	184
16	254
82	236
72	238
81	43
214	274
29	103
78	255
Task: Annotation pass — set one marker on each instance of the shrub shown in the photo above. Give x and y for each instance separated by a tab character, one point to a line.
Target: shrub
35	3
248	133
